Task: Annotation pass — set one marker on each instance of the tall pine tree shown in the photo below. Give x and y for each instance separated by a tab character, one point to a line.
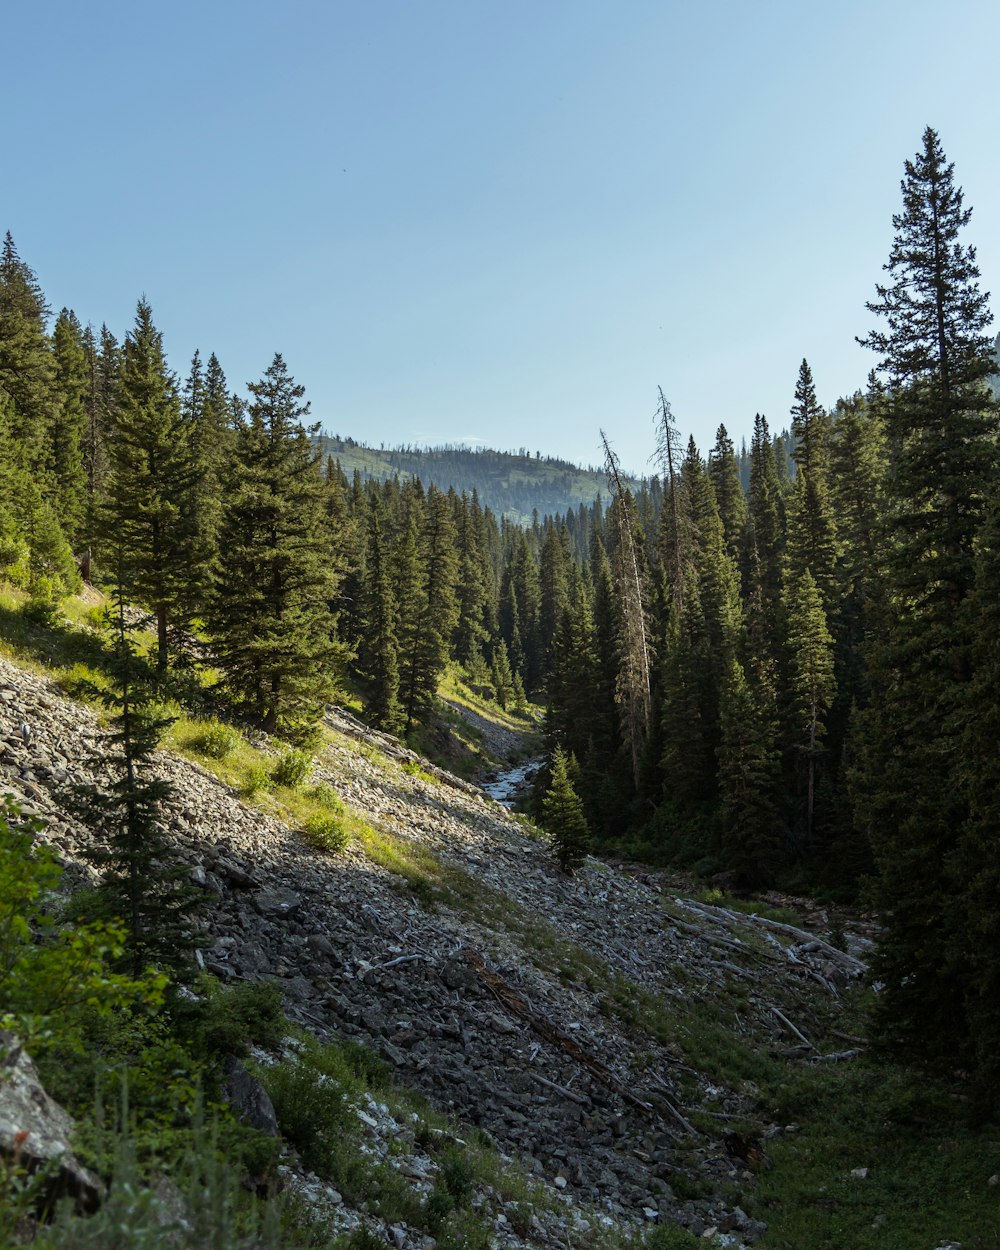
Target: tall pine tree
942	436
271	616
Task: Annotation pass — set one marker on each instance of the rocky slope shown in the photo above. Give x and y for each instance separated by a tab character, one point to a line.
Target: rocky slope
563	1016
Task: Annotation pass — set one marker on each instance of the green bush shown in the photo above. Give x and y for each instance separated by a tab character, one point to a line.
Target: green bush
326	832
671	1237
438	1207
54	980
256	780
203	1204
226	1020
364	1239
326	796
456	1174
291	769
216	741
313	1114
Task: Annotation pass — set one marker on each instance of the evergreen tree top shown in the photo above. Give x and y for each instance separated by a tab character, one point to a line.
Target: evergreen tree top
937	316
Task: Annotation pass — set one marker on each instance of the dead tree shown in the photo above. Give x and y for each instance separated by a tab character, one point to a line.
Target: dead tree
676	542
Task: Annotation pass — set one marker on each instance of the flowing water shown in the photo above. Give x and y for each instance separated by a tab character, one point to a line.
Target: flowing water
507	785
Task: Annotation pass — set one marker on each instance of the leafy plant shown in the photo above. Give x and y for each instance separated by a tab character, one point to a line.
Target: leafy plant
256	780
52	978
456	1174
291	769
325	832
312	1112
216	741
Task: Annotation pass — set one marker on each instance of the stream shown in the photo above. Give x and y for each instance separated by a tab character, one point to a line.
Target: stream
508	785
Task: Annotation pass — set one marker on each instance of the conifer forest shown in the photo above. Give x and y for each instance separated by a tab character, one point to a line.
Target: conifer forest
772	663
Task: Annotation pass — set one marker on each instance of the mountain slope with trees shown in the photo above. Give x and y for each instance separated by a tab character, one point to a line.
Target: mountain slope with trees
514	485
774	668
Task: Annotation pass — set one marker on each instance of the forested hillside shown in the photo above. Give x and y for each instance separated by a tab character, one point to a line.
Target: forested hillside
791	683
515	485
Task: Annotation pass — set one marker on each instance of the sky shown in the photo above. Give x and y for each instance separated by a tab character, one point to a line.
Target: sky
496	221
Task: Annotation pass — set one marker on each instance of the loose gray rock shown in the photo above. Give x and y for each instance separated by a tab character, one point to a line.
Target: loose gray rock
277	902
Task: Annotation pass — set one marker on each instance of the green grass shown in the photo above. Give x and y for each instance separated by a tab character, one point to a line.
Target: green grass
749	907
927	1176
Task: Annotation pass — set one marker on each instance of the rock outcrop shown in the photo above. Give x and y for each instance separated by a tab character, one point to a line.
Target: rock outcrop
35	1133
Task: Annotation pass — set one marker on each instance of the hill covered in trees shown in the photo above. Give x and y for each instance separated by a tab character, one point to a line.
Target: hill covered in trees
780	675
515	485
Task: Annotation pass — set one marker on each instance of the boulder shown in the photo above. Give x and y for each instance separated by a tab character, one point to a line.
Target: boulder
35	1132
248	1098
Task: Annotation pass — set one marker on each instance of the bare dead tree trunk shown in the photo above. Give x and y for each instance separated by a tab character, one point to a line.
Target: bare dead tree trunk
632	690
669	452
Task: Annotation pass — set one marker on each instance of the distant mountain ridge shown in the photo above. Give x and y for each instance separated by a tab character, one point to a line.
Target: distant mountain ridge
514	484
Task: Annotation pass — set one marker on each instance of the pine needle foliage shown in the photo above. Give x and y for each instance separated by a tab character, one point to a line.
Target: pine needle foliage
144	882
271	612
562	814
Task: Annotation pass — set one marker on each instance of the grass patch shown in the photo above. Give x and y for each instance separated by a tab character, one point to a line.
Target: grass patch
928	1175
325	832
454	687
215	741
413	769
749	907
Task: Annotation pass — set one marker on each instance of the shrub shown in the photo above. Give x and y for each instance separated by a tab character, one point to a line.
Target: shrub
326	796
54	980
291	769
256	779
312	1112
456	1174
216	741
671	1237
438	1207
325	832
227	1019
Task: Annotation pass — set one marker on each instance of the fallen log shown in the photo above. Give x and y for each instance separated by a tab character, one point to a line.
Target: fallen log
517	1005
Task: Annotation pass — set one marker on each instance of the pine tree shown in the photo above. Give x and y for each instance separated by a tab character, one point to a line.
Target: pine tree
977	861
811	681
473	579
428	603
27	368
151	486
941	425
633	646
502	676
103	373
271	616
144	881
765	533
562	814
379	650
554	596
724	470
748	766
812	537
209	414
64	464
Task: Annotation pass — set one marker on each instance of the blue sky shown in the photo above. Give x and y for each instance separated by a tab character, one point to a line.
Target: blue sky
498	221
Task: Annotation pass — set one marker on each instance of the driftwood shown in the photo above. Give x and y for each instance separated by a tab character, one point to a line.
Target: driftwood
580	1099
394	963
807	943
664	1090
517	1005
792	1029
